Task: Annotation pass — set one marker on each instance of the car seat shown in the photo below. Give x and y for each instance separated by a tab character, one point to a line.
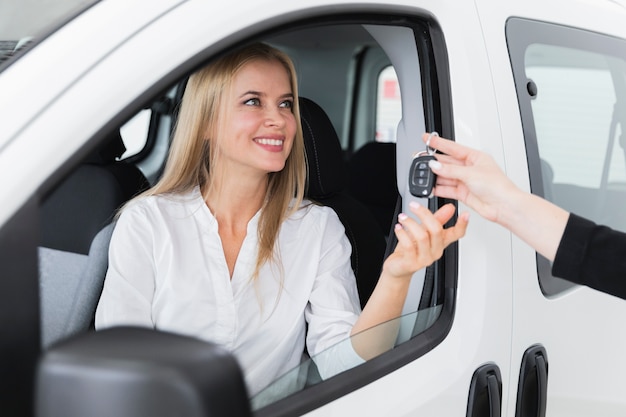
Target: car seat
76	227
326	184
373	181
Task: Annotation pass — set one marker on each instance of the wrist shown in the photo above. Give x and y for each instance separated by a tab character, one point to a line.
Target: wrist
512	207
394	283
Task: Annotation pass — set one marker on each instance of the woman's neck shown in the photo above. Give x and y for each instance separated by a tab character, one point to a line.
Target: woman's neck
235	200
233	203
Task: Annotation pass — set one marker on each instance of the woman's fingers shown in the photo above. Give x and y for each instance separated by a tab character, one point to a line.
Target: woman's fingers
420	244
445	213
454	233
454	170
413	250
447	146
434	224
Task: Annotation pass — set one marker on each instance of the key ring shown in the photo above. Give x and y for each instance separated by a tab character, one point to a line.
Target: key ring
431	151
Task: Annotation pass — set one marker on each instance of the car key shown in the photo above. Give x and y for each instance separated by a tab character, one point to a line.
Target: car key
421	178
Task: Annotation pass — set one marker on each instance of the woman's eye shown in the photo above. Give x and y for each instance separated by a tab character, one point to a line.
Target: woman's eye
252	102
287	104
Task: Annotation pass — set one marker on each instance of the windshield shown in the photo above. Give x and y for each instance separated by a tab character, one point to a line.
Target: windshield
24	22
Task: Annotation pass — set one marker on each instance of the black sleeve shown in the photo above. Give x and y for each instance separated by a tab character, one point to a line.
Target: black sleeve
592	255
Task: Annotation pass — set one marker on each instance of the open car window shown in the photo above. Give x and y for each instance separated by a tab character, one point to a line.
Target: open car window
308	373
348	83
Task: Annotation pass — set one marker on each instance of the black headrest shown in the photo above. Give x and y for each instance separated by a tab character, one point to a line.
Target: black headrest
327	171
111	149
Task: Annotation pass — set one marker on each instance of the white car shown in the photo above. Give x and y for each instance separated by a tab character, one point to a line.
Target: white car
487	331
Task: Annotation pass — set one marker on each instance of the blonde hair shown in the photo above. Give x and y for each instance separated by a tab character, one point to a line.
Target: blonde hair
192	162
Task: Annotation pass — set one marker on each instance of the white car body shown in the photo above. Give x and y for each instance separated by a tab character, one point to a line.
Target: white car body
56	98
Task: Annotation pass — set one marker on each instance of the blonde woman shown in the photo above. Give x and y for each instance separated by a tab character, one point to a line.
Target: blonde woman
224	247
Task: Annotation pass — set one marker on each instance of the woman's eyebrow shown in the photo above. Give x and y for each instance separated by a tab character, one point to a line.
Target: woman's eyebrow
260	94
252	93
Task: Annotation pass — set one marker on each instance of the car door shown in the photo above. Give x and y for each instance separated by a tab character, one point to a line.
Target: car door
567	90
451	379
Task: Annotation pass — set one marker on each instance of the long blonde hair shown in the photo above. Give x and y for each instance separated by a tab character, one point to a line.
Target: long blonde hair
191	161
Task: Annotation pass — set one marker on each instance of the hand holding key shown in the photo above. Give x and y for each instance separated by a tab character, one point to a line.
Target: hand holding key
474	178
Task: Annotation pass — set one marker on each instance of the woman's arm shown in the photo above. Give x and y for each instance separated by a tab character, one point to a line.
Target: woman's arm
592	255
582	251
419	245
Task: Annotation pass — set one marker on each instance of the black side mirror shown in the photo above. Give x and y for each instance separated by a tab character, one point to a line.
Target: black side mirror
135	372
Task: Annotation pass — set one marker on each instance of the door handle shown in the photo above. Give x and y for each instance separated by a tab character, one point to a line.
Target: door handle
532	390
485	395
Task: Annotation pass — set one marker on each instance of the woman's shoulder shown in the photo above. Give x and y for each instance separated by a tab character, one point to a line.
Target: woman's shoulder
171	203
313	208
315	214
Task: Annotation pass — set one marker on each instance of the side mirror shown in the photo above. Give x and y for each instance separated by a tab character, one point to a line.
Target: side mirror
134	372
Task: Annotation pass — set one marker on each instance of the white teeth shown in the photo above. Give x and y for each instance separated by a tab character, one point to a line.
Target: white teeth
271	142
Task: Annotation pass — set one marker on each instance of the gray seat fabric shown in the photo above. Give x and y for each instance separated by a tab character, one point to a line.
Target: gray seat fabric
75	232
70	286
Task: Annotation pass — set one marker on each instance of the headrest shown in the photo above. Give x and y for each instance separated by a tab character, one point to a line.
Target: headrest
111	149
327	171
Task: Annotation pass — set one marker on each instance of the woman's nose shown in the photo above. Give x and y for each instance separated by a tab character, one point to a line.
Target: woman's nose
274	117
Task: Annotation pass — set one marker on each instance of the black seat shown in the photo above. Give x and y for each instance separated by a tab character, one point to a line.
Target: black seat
88	198
327	181
373	181
76	226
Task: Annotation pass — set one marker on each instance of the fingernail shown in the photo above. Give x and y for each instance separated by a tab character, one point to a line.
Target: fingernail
398	226
402	216
434	164
415	204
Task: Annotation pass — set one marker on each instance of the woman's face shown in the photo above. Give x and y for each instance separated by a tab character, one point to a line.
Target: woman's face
258	131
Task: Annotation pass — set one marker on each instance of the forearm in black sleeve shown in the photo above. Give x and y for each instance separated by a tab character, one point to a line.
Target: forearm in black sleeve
592	255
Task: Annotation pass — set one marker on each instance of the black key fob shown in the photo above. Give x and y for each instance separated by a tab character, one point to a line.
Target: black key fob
421	178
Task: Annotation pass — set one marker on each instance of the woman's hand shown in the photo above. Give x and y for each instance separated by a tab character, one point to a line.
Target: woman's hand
419	245
471	176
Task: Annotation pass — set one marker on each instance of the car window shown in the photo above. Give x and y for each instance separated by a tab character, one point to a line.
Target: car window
576	119
23	22
308	374
388	105
431	302
135	133
572	91
429	306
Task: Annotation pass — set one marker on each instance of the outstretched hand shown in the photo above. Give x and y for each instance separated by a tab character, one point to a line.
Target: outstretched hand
419	245
473	177
470	176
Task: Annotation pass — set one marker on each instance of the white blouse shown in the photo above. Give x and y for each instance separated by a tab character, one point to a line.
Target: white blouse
167	270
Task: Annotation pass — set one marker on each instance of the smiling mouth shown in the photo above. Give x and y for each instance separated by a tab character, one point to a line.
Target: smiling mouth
269	142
